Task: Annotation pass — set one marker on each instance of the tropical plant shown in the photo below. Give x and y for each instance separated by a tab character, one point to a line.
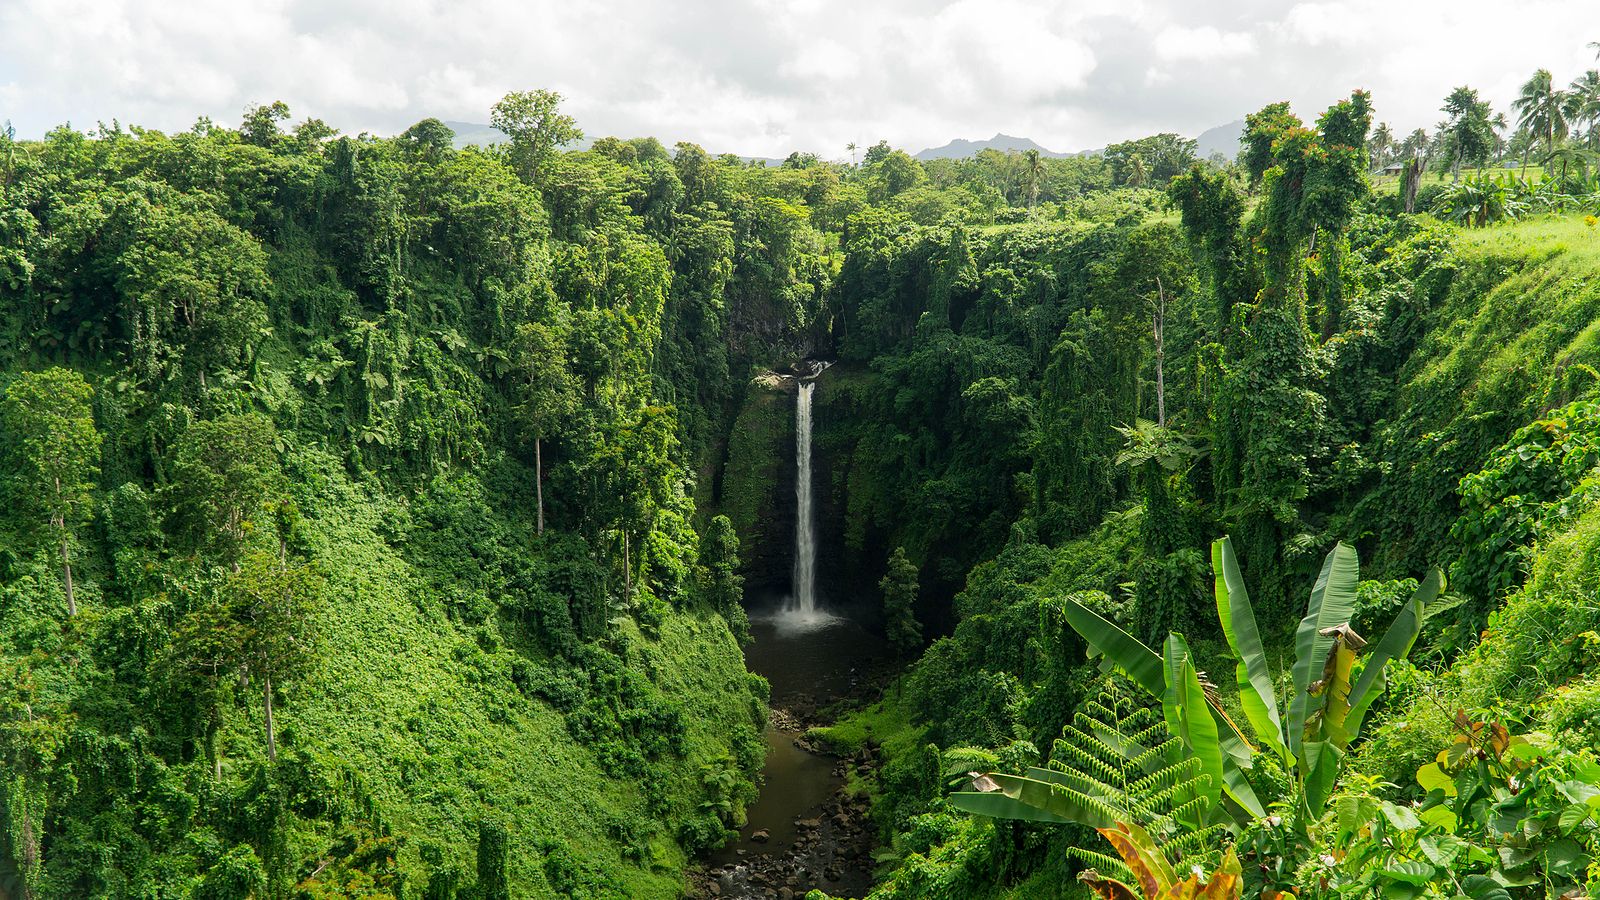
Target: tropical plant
1583	106
1116	768
1479	200
1330	698
1542	109
1503	812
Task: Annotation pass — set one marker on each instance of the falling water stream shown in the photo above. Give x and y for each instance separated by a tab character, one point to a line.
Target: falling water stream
805	522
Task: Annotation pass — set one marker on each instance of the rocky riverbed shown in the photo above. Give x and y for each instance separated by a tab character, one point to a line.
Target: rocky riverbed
831	849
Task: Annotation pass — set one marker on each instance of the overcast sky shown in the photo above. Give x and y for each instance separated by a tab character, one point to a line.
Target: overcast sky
763	77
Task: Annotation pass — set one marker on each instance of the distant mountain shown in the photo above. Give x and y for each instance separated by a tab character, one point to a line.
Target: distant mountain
469	133
1222	139
1005	143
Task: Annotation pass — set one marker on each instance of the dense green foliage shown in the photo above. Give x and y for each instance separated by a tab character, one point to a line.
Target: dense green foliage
378	515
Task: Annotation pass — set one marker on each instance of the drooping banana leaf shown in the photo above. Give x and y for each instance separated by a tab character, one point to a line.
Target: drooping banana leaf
1190	718
1118	647
1146	668
1332	602
1320	765
1238	620
1032	800
1150	867
1395	644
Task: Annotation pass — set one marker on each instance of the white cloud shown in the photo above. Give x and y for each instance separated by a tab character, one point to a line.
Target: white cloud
1203	44
1325	23
767	76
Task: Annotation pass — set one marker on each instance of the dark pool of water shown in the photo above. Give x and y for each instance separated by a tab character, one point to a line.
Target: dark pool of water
817	660
809	663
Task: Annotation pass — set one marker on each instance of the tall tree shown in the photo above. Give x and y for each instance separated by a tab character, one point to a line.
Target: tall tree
1583	106
1542	109
1467	131
52	459
724	586
899	587
1261	129
225	473
1381	145
537	128
547	391
275	607
1034	173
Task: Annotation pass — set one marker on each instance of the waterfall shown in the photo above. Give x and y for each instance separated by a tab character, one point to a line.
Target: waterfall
805	524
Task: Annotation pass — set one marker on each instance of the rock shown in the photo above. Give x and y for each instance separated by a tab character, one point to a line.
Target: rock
807	824
785	893
761	837
716	889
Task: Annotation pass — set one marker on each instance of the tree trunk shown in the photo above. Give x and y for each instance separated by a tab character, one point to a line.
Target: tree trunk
1161	353
1410	181
272	737
538	478
627	570
59	520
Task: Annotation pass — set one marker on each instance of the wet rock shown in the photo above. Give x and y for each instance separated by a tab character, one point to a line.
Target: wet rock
761	837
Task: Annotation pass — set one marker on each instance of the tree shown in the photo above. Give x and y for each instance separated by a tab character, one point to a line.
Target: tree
547	391
1583	106
203	655
52	459
1261	129
1034	174
723	585
430	137
1381	145
899	586
1467	132
274	608
260	126
1156	159
225	472
1542	109
537	128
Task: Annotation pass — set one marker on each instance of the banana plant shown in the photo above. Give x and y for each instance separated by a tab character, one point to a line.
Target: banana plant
1155	877
1325	709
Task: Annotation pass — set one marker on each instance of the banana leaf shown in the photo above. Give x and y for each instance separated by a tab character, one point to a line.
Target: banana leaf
1238	618
1189	717
1032	800
1332	602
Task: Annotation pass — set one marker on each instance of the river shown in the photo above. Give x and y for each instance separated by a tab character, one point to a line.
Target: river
795	838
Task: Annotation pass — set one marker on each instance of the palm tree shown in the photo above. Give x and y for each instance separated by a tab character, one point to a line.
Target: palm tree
1034	173
852	148
1583	104
1381	142
1541	109
1136	171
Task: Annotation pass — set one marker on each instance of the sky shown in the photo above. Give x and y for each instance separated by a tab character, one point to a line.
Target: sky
763	77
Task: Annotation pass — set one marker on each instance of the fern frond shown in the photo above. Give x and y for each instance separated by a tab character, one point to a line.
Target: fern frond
1103	863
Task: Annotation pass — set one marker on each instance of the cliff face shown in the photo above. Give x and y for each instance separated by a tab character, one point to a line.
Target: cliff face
757	490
